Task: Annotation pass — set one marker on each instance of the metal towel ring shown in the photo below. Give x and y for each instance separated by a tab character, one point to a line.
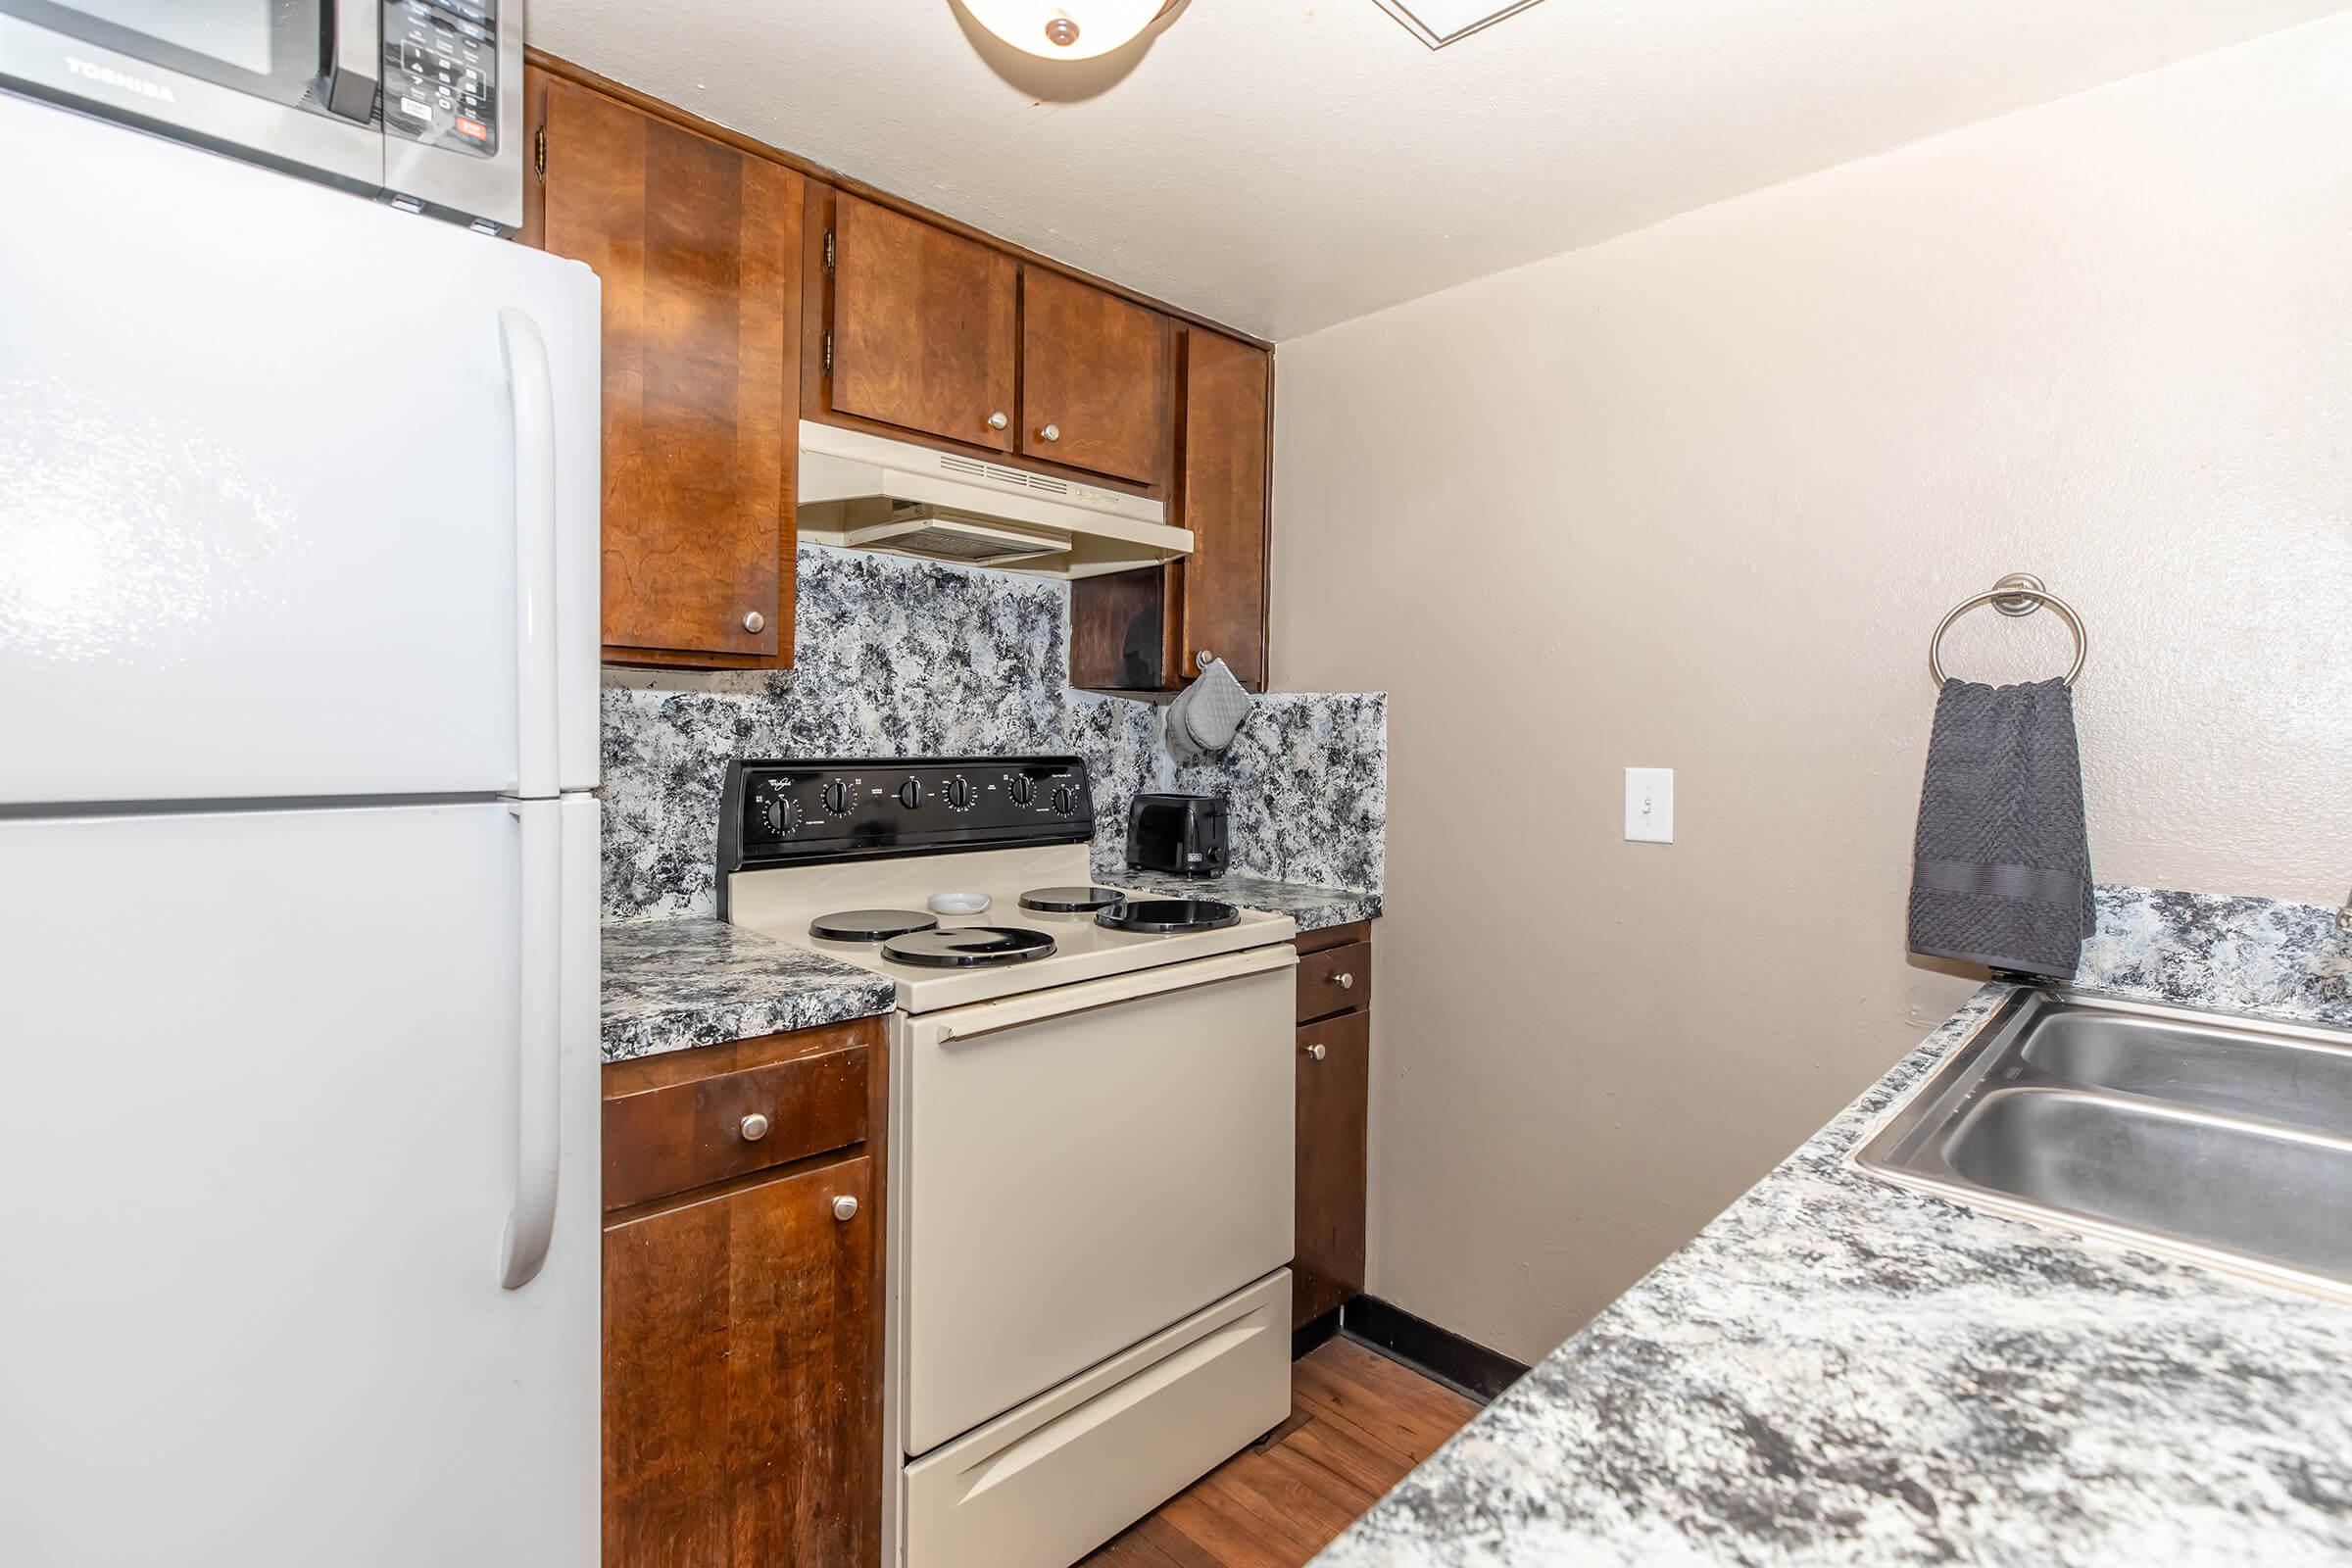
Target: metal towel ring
2021	593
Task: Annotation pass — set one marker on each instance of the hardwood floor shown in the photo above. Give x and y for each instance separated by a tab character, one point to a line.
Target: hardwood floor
1358	1422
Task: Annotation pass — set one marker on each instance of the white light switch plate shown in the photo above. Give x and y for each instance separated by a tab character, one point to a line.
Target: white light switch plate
1650	805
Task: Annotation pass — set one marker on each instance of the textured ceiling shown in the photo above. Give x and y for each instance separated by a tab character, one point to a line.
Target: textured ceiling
1281	165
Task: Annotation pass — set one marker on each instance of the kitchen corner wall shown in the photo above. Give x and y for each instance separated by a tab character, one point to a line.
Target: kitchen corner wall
1695	497
899	658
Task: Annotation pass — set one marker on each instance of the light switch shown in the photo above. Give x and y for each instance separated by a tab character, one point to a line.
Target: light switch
1650	805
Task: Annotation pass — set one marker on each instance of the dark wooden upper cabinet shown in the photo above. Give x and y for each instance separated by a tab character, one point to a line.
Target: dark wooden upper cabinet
1220	588
922	326
1097	379
699	247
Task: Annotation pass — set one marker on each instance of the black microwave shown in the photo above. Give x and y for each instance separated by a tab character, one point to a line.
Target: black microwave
417	102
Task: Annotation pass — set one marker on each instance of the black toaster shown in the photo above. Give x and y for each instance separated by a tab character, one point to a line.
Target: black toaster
1181	833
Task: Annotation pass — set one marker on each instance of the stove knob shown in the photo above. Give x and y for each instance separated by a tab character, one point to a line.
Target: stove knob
1023	789
959	792
1064	802
910	793
781	813
837	797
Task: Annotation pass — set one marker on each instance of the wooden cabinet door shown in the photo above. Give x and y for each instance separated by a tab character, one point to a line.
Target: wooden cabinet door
741	1378
1333	1096
922	326
1221	497
699	247
1097	379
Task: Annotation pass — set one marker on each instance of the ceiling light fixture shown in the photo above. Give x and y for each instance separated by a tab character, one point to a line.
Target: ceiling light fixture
1073	29
1439	23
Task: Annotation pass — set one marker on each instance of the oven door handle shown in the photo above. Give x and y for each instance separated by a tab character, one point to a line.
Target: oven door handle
350	58
988	1017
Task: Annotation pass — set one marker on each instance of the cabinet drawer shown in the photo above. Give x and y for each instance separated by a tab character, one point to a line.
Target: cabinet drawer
666	1137
1334	980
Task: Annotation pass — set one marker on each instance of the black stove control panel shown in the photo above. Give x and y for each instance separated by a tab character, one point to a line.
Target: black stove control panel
798	813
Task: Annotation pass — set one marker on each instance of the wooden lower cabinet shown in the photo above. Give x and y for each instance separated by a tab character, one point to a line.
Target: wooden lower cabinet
743	1345
1335	1087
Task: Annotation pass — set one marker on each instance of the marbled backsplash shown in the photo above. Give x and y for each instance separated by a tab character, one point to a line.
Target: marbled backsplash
2209	949
899	658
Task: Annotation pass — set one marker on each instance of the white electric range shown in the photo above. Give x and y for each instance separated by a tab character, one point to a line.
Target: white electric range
1089	1162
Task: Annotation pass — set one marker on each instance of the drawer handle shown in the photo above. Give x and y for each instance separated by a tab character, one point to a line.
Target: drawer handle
1316	1052
845	1208
755	622
1347	981
753	1128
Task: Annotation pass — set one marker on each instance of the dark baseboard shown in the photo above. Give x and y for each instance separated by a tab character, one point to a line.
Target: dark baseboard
1314	1331
1463	1365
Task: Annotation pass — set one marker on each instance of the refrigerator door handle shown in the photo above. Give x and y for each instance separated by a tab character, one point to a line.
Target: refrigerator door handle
531	387
538	1140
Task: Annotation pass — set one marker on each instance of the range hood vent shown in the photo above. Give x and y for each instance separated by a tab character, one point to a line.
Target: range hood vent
937	534
870	492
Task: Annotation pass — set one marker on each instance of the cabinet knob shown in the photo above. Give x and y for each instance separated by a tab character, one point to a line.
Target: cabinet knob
754	624
1202	659
845	1208
1347	981
1316	1052
753	1128
1052	432
997	420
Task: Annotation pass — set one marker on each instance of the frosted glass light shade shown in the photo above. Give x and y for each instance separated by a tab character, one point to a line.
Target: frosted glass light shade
1070	29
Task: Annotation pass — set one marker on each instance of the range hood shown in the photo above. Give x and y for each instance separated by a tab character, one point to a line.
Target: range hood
870	492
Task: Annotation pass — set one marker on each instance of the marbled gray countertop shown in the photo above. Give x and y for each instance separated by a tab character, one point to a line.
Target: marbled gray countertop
672	985
1839	1371
1314	907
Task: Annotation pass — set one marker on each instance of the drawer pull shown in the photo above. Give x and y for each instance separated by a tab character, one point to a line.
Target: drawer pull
1316	1052
755	622
845	1208
755	1127
1347	981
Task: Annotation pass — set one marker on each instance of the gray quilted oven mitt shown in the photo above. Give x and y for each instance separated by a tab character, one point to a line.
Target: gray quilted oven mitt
1204	720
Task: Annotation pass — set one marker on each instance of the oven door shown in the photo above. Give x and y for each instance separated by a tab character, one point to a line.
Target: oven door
287	82
1079	1169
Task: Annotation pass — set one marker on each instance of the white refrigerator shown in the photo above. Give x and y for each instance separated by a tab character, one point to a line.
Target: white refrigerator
298	868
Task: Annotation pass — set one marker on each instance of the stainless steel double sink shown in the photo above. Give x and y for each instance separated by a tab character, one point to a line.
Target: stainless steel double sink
2226	1141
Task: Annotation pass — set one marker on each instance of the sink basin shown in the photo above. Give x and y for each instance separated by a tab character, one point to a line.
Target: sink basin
2207	1064
2225	1141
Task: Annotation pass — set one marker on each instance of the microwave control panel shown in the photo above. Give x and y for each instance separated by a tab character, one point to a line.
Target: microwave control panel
441	72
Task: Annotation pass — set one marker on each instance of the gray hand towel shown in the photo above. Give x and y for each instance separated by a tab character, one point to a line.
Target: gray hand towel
2002	870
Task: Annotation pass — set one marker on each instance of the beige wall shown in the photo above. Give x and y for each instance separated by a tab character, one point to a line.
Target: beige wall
1694	499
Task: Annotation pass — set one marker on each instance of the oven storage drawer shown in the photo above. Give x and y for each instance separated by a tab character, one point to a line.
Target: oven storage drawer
1078	1168
1049	1482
